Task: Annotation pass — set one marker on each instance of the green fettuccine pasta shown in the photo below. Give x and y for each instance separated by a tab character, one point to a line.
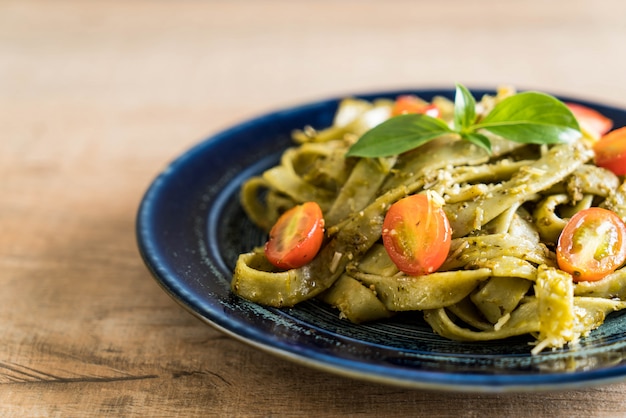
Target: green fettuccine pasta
507	204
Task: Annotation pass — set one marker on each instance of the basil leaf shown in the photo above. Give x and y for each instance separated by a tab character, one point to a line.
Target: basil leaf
397	135
529	117
532	117
464	109
478	139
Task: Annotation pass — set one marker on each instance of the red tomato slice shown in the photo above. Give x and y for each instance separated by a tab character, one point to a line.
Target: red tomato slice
417	234
296	237
611	151
413	104
592	244
591	120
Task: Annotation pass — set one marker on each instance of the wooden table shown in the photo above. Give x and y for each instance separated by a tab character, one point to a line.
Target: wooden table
97	97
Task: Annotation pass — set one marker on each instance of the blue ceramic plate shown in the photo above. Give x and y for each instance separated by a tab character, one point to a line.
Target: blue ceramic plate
190	229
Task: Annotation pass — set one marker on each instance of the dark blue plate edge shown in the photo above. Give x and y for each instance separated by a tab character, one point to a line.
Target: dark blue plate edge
426	380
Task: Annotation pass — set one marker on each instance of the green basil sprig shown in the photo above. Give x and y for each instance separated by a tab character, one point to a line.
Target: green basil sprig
527	117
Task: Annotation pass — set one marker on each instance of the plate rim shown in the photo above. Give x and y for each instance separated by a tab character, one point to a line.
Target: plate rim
446	381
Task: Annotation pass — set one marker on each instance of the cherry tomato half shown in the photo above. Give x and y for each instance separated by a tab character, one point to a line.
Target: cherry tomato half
417	234
611	151
413	104
592	244
591	120
296	237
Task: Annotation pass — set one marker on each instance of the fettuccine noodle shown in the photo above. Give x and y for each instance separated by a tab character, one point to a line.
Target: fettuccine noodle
506	210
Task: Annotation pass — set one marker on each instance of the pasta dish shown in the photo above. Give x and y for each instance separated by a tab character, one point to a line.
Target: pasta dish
486	236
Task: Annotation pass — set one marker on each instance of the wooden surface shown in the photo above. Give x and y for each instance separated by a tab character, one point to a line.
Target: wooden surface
97	97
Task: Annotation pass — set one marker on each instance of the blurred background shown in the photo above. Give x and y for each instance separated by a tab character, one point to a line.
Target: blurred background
177	71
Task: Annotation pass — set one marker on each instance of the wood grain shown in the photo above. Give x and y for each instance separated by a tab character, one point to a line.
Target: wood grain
97	97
